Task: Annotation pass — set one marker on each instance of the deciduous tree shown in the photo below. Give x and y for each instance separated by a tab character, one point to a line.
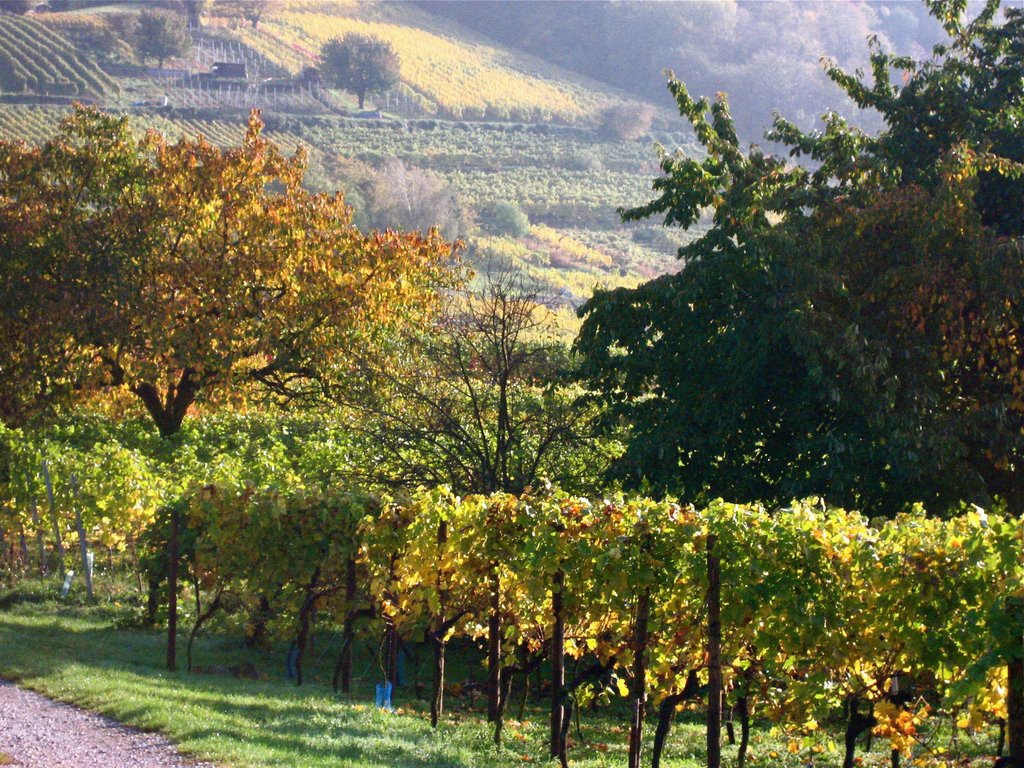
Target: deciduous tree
360	64
160	35
183	272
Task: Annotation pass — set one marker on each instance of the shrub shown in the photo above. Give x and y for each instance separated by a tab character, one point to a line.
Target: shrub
506	218
626	120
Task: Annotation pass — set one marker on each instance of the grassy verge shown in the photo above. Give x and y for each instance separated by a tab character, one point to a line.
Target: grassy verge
74	653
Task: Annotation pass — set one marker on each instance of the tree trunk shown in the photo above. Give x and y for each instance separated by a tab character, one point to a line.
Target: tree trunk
1015	710
714	720
638	694
667	713
437	699
743	710
557	660
856	724
256	633
361	95
494	647
305	613
391	655
505	683
201	619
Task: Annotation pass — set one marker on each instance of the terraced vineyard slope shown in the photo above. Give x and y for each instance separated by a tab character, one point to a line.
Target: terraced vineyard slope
34	57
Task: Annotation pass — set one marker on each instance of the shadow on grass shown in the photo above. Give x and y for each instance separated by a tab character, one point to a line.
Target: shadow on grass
117	672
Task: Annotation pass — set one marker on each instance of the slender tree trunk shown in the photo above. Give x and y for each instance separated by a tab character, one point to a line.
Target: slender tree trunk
743	710
557	660
53	518
201	618
391	655
437	699
494	647
856	724
505	684
523	699
638	694
1001	743
256	635
714	723
666	714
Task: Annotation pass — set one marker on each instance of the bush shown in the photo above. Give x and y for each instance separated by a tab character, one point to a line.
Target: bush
627	120
506	218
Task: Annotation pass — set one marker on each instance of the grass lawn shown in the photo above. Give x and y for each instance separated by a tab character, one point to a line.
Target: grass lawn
75	653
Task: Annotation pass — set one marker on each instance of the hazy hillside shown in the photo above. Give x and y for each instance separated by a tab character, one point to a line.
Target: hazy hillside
497	131
765	55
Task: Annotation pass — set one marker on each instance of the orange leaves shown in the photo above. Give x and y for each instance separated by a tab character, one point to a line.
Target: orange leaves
215	259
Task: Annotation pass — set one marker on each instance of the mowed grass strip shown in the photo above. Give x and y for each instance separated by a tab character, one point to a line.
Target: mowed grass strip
73	654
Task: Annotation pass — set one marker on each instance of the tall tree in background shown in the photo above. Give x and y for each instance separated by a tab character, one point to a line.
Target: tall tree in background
360	64
183	273
160	35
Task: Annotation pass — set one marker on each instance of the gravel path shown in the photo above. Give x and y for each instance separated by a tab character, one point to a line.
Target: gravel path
36	732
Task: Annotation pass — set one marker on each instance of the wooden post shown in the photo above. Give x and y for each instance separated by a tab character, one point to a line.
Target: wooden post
714	722
53	518
348	633
83	544
172	592
43	567
494	647
557	661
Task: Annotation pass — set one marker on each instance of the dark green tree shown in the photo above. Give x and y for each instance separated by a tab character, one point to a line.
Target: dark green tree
360	64
160	35
850	332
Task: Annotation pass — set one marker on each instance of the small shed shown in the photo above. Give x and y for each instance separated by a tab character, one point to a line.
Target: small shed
232	69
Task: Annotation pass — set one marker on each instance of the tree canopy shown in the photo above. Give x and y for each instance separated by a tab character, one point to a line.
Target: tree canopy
360	64
183	272
160	35
852	331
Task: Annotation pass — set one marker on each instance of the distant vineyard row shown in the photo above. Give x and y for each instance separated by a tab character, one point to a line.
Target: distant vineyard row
33	57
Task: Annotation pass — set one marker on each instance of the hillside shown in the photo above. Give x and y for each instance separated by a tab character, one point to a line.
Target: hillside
474	127
35	58
764	55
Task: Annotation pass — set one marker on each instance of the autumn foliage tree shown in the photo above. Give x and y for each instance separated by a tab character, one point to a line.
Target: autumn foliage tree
183	272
